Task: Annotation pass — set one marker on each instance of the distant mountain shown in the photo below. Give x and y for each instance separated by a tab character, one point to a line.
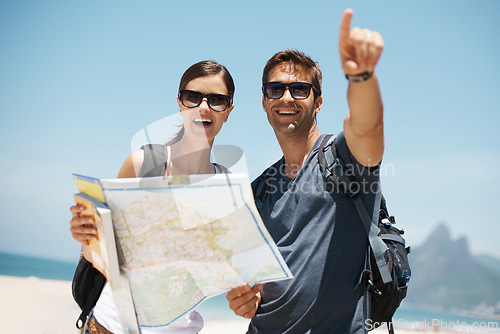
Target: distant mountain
445	275
490	262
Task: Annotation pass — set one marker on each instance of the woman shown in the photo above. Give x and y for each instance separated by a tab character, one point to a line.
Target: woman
205	99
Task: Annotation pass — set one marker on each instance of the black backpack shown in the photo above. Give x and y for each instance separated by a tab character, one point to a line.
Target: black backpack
87	286
88	282
387	265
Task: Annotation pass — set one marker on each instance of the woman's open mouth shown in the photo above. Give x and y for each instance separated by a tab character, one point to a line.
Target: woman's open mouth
204	122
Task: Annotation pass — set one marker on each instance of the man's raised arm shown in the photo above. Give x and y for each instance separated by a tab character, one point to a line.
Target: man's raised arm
360	50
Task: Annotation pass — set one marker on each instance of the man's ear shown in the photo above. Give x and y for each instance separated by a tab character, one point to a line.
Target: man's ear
318	103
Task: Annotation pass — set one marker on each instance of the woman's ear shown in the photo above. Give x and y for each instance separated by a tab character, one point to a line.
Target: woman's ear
228	112
179	103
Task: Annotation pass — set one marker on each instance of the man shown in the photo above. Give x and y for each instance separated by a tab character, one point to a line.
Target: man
319	233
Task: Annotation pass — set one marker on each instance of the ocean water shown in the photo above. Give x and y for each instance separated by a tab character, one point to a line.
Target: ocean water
25	266
217	308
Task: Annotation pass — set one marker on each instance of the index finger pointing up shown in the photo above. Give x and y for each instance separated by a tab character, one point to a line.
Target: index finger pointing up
345	25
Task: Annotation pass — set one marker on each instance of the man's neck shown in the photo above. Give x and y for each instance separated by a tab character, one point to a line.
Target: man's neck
296	149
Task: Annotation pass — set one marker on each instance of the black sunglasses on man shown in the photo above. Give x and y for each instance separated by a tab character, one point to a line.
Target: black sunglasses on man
298	90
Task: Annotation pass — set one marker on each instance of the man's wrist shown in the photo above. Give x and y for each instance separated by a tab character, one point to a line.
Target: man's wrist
359	77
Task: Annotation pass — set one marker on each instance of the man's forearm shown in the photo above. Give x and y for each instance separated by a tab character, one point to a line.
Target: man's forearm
364	124
365	107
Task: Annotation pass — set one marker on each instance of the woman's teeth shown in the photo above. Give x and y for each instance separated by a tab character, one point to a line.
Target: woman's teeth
202	121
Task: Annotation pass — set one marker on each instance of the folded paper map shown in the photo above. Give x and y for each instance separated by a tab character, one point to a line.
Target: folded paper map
184	239
102	250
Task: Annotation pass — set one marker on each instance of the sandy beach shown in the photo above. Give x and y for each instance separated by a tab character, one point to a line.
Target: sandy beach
32	305
38	306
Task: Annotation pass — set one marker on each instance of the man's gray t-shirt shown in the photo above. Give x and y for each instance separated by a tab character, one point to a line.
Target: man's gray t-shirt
324	243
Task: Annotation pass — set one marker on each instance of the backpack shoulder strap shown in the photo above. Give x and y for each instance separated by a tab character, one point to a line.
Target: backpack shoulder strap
261	191
155	160
334	171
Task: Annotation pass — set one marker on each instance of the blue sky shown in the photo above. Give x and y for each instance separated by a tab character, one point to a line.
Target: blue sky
79	78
